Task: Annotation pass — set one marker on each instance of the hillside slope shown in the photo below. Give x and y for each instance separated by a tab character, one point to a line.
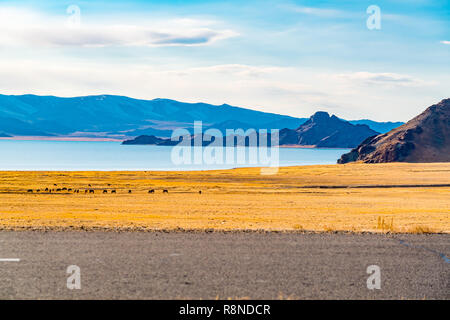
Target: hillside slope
425	138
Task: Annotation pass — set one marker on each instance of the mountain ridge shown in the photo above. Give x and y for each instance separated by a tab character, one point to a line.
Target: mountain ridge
50	115
122	116
324	131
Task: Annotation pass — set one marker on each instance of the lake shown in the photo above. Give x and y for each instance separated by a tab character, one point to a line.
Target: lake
106	155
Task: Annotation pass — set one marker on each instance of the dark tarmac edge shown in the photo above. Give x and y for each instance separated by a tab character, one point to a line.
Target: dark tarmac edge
91	229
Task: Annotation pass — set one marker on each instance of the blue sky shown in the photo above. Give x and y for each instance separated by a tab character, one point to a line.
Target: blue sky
289	57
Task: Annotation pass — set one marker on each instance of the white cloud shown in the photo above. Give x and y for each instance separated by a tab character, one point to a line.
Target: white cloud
238	70
319	12
119	35
384	79
18	27
285	90
445	42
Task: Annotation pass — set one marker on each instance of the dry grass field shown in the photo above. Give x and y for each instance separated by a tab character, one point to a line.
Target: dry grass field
297	198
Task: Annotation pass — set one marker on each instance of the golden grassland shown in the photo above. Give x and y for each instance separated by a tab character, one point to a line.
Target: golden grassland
233	199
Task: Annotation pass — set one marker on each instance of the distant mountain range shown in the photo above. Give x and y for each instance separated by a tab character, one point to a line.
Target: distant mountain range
381	127
321	131
425	138
110	116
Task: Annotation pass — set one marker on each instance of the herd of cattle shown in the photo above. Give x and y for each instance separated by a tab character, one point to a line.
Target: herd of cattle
90	190
50	190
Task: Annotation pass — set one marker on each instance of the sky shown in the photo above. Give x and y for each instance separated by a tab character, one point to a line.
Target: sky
380	60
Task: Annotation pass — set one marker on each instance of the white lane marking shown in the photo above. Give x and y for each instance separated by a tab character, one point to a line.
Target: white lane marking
10	260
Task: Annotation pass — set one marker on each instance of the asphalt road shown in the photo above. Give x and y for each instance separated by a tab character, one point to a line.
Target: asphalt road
224	265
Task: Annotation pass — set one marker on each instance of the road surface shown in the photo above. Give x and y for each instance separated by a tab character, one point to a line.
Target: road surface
158	265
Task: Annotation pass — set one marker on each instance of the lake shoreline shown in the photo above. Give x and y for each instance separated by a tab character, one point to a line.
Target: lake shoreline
49	155
111	139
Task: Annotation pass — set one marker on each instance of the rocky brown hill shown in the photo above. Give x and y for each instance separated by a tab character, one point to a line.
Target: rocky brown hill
425	138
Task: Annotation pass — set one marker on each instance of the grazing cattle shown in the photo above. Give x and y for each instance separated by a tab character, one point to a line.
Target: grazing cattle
30	190
69	190
91	191
64	189
151	191
200	192
86	191
165	191
55	184
129	191
105	191
58	190
89	185
46	189
113	191
38	190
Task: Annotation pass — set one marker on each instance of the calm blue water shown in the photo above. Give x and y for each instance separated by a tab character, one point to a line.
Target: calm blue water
71	155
